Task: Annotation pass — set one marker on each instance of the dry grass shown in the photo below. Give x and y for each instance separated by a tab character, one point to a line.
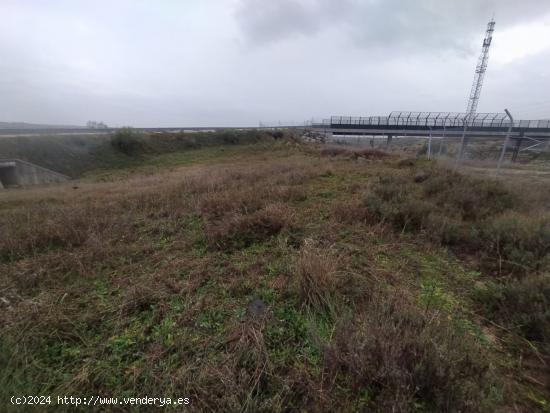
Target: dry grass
344	151
143	284
407	359
316	275
242	230
507	229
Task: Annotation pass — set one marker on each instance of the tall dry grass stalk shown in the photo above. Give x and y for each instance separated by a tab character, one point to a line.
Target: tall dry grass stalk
316	273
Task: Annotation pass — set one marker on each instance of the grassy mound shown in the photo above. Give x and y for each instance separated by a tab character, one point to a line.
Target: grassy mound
76	155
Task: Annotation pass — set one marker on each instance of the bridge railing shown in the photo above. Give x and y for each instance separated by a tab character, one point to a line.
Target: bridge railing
438	120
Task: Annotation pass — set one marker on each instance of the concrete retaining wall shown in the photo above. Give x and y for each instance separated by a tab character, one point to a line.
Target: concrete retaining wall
15	172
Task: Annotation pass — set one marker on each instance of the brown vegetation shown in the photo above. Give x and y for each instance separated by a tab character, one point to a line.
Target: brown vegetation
145	284
316	275
408	360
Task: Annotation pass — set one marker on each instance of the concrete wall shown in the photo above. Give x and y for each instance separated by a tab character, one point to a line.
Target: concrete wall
8	176
15	172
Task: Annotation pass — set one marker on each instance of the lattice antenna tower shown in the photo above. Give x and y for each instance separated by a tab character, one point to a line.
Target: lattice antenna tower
480	70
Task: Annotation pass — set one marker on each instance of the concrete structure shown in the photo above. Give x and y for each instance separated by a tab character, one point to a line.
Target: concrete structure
15	172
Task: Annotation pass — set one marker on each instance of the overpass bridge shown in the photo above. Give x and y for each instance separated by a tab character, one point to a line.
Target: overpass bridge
441	124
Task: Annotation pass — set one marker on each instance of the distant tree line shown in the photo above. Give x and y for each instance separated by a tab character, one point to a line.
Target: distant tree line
92	124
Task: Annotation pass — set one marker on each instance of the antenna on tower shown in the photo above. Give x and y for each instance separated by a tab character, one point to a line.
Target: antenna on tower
480	71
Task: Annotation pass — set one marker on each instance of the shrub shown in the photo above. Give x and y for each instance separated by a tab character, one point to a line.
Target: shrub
350	212
470	214
214	205
471	198
278	134
240	231
522	305
371	154
127	141
453	232
406	360
409	215
334	151
517	243
407	163
48	228
316	276
392	188
393	200
229	137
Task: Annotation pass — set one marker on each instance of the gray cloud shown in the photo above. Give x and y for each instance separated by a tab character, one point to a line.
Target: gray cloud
237	62
413	25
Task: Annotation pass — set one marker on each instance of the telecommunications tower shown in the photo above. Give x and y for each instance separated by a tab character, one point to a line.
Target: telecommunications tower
480	71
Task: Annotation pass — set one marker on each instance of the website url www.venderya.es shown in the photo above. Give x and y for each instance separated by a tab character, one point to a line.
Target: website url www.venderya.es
100	401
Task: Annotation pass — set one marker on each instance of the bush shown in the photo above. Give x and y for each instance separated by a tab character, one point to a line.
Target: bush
127	141
229	137
471	198
350	212
522	305
371	154
130	142
517	243
316	276
404	360
393	201
278	134
473	215
410	215
45	229
392	188
334	151
453	232
407	163
242	230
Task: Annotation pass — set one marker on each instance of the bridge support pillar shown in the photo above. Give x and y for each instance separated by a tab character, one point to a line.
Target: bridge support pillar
388	142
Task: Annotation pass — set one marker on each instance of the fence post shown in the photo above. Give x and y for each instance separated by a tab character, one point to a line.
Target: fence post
505	145
462	143
441	142
517	148
430	145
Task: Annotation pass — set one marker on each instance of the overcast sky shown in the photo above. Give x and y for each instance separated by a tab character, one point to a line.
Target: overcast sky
238	62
